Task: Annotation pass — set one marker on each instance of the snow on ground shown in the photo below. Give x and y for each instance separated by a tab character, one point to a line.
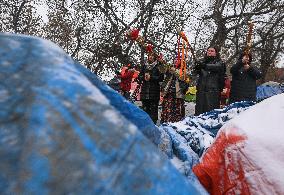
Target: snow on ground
189	108
185	141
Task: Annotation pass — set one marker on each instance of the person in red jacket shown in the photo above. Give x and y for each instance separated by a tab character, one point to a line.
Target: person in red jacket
225	94
126	76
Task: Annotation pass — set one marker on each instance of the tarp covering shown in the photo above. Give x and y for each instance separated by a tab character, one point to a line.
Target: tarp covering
268	89
200	131
247	155
188	139
63	131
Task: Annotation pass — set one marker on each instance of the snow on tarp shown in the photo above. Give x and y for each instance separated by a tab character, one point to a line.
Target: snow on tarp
62	134
189	138
268	89
200	131
247	155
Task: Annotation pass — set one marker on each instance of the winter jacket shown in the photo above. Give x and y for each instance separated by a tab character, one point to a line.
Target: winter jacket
126	79
150	89
210	83
243	85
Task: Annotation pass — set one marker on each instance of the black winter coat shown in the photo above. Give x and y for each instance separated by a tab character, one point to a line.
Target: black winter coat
210	83
243	85
150	89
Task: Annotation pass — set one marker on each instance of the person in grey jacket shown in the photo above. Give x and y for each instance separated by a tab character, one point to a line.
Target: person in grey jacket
244	76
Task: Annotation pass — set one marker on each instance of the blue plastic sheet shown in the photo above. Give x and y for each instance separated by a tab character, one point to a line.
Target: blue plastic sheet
63	131
266	91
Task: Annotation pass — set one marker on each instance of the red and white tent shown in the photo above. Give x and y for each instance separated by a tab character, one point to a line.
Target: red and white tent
247	156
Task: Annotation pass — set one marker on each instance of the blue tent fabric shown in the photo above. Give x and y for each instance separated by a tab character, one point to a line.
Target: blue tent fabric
126	108
185	155
266	91
64	133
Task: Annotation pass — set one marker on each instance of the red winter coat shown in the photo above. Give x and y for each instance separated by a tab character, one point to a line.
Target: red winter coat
126	79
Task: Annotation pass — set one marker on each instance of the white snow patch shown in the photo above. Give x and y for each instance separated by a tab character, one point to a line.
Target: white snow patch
178	164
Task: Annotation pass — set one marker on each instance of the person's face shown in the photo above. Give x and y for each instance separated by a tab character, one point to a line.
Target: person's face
245	59
177	62
151	58
211	52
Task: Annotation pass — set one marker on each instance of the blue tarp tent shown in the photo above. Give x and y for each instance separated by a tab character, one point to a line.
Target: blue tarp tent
268	89
63	131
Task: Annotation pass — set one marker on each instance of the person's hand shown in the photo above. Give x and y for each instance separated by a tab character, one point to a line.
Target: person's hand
172	70
224	91
246	66
147	76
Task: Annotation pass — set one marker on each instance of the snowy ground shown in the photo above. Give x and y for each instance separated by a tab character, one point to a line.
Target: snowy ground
189	108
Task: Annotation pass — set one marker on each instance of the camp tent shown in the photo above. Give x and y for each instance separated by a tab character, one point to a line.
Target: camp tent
268	89
247	155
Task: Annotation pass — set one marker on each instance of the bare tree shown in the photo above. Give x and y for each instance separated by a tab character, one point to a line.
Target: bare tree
19	16
93	31
106	44
230	18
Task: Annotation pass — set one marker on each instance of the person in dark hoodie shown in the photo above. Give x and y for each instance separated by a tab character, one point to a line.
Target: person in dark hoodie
211	81
244	76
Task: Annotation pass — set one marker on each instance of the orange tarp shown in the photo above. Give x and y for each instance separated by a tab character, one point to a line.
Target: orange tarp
219	172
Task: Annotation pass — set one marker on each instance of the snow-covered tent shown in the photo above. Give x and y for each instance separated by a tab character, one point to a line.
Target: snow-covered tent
63	131
247	155
268	89
185	141
198	132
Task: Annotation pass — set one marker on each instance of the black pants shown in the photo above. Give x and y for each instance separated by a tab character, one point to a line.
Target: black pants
151	107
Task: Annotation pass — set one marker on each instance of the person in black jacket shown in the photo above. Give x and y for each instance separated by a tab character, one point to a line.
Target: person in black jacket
244	76
211	81
150	77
